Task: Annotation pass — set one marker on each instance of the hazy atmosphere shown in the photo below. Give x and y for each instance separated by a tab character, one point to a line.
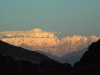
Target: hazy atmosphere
49	37
69	17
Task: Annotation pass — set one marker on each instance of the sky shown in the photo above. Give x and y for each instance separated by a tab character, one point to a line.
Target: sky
69	17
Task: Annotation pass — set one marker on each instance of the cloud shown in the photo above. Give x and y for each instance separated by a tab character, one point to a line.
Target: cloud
37	32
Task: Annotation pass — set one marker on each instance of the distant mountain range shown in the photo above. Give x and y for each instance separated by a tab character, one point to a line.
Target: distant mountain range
18	61
71	58
47	42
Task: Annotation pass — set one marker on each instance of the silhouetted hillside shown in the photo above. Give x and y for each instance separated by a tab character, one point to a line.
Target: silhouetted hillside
10	66
20	53
13	66
90	61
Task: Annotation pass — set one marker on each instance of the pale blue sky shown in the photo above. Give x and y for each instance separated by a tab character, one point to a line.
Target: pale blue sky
71	17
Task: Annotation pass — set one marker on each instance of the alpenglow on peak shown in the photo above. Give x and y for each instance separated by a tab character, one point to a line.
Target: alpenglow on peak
45	41
37	30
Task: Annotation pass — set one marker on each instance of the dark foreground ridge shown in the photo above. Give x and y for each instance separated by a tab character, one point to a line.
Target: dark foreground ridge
11	65
21	53
89	64
18	61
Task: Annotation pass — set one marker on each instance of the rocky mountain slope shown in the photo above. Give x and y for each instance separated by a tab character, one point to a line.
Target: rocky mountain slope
38	39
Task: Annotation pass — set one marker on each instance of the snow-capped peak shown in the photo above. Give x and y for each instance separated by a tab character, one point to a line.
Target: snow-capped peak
37	39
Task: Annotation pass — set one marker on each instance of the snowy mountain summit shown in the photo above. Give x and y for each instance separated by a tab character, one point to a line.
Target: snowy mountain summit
37	39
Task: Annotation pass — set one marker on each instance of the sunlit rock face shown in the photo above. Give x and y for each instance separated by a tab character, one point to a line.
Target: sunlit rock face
38	39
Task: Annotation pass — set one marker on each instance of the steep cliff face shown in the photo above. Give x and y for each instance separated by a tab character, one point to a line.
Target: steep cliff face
37	39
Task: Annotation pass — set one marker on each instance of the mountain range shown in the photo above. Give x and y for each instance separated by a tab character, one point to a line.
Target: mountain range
16	61
70	58
39	40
